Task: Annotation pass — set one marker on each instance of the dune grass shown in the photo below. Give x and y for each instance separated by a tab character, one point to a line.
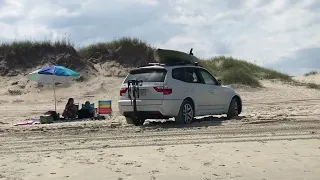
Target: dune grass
229	70
27	45
306	84
235	71
311	73
97	49
313	86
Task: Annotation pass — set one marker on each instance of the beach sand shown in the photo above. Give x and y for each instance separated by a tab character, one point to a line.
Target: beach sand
276	137
292	160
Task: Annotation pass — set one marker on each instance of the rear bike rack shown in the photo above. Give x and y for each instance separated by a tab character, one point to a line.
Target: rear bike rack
133	86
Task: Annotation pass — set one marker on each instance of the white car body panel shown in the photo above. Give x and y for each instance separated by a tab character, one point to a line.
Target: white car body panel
208	99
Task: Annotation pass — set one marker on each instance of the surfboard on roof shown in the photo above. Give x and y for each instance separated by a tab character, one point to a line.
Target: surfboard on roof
171	56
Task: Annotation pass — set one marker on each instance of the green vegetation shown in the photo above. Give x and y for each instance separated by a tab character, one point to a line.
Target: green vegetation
308	85
234	71
313	86
311	73
27	45
228	69
101	48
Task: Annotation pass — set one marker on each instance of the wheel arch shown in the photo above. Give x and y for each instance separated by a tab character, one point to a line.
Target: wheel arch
193	104
239	101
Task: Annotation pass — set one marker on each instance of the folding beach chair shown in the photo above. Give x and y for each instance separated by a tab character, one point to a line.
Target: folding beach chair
104	107
85	115
92	105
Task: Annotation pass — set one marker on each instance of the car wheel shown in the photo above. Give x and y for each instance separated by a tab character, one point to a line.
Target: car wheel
186	113
135	121
129	120
233	109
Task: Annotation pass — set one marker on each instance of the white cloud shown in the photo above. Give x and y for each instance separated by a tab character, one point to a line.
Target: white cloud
256	30
252	30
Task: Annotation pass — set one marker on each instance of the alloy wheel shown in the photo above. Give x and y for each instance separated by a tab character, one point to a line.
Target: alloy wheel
187	113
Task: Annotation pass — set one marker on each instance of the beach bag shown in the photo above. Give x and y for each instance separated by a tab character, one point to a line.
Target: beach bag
53	114
46	119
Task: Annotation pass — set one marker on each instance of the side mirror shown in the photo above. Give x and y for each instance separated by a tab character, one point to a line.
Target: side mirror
219	82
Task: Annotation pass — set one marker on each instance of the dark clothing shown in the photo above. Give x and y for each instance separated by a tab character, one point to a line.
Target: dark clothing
85	113
70	111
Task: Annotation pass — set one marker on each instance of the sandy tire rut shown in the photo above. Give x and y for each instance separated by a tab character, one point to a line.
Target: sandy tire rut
106	137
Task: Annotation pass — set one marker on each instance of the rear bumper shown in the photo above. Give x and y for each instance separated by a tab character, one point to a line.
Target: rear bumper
168	108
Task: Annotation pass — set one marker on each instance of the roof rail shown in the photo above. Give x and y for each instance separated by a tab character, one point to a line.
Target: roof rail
150	64
171	64
154	63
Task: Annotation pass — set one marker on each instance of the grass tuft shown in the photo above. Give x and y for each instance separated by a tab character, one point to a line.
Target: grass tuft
235	71
27	45
239	76
311	73
101	48
313	86
129	51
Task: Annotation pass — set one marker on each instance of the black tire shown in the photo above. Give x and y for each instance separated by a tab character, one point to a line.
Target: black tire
135	121
233	110
129	120
186	113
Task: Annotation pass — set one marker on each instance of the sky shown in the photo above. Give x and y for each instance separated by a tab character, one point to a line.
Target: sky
280	34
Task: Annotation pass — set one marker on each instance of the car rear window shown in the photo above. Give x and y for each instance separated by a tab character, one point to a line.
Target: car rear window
147	75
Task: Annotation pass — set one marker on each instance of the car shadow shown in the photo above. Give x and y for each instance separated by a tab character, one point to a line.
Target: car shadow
204	122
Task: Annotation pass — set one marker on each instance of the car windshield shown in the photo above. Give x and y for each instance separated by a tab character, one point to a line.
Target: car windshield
147	75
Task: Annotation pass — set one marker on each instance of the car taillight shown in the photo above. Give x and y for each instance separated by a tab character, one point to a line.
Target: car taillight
164	91
123	91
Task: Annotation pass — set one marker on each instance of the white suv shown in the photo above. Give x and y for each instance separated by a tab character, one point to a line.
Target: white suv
182	91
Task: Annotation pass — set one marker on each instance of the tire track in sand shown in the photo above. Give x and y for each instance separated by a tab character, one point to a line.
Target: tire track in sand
129	137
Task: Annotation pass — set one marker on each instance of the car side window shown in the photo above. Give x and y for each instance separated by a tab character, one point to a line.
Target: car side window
186	74
208	78
178	74
191	75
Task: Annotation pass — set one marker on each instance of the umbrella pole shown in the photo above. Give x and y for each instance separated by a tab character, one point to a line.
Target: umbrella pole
55	100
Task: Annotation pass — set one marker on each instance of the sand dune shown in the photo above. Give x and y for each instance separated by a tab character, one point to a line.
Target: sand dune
309	79
257	146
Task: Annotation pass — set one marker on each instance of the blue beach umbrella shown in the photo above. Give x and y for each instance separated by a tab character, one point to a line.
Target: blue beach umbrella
53	75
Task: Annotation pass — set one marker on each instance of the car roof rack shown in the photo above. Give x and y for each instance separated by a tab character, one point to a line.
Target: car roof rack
174	63
171	64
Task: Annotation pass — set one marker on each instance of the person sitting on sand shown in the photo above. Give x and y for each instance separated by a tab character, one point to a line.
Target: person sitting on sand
70	111
87	111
